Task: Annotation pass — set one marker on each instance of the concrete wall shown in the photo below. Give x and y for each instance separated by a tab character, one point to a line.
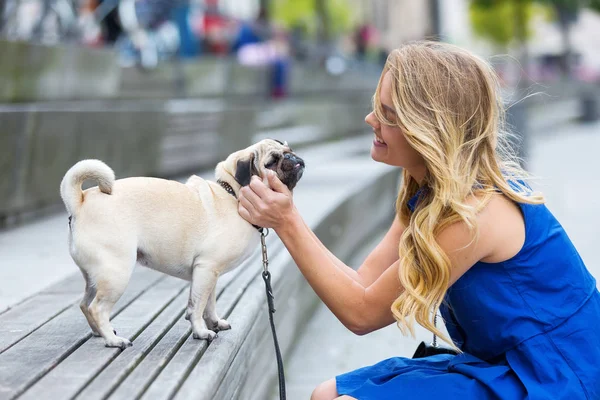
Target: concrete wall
224	77
37	147
167	138
30	72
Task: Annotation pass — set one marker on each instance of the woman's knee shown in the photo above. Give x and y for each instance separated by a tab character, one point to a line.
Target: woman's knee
325	391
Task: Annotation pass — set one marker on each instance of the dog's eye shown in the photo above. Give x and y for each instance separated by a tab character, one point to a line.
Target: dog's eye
272	162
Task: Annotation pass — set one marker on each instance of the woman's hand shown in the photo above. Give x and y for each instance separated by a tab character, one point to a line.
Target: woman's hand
268	208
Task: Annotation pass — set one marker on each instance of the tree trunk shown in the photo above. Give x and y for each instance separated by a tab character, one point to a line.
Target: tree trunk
323	31
2	6
517	114
434	15
521	36
265	9
565	18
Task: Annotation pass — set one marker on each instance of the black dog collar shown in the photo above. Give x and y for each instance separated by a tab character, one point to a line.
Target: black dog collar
229	190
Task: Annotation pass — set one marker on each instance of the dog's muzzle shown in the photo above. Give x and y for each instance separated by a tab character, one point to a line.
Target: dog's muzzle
292	168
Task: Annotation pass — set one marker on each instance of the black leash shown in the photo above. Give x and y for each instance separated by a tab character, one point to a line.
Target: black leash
267	278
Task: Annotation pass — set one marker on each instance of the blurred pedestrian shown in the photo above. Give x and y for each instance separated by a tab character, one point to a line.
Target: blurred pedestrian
470	239
280	64
216	28
361	40
151	34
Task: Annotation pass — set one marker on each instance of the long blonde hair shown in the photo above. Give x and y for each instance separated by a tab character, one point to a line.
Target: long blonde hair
448	106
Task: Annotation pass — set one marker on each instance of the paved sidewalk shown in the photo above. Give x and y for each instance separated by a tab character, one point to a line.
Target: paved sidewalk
567	165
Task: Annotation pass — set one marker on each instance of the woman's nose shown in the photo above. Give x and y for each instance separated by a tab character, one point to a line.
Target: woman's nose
372	120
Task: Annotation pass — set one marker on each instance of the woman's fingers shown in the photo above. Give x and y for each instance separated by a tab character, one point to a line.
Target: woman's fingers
249	195
247	205
260	205
275	183
244	213
259	187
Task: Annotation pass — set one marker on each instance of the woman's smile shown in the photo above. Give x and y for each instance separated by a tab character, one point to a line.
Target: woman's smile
378	142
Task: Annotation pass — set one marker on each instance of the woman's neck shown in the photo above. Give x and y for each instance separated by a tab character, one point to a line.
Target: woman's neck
418	174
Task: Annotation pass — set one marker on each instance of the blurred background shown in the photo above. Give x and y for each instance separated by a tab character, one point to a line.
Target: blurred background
166	88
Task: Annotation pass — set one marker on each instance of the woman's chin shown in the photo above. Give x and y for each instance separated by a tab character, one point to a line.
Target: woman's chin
377	153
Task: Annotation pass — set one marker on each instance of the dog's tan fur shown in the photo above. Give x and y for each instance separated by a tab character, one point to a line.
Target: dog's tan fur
191	231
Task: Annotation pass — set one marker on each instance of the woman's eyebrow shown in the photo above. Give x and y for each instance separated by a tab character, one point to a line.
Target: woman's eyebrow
390	109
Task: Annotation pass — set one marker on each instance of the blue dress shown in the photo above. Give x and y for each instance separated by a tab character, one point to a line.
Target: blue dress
529	328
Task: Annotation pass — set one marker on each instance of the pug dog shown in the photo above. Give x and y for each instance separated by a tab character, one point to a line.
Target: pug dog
191	231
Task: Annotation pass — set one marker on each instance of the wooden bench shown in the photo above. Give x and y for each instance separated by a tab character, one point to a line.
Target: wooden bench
47	350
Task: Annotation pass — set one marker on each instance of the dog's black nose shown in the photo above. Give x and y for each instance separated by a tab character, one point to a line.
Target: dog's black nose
294	159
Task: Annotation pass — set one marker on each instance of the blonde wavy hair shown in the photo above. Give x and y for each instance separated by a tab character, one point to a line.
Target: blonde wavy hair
448	105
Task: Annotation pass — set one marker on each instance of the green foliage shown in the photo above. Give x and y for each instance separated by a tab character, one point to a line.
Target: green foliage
291	13
496	21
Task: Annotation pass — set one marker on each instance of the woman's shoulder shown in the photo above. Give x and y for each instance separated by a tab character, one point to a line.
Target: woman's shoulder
501	223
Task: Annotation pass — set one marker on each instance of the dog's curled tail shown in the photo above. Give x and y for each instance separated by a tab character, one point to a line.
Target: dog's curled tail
70	187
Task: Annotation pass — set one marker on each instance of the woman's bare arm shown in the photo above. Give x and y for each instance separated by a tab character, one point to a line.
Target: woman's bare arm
361	307
384	255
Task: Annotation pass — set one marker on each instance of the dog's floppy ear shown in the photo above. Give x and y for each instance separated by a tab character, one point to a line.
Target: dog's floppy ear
245	168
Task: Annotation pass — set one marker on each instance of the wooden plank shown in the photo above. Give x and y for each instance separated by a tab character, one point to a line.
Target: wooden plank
30	359
204	379
111	376
144	374
262	377
170	378
27	316
254	364
88	361
73	283
152	365
174	374
205	376
236	374
17	323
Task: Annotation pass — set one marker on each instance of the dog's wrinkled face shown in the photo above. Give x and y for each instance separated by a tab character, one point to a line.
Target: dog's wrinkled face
268	154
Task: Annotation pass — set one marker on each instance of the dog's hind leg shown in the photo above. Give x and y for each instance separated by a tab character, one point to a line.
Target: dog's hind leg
204	280
90	293
110	285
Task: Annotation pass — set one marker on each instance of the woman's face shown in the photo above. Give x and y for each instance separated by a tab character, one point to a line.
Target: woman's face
389	144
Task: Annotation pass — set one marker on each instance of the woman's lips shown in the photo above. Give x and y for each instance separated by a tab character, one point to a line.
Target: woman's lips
377	143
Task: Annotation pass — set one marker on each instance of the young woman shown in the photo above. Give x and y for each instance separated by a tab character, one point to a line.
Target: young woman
470	239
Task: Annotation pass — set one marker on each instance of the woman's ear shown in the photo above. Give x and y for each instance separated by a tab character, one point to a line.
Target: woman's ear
245	168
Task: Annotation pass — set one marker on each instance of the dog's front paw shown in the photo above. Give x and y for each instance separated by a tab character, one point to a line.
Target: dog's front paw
118	342
205	334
